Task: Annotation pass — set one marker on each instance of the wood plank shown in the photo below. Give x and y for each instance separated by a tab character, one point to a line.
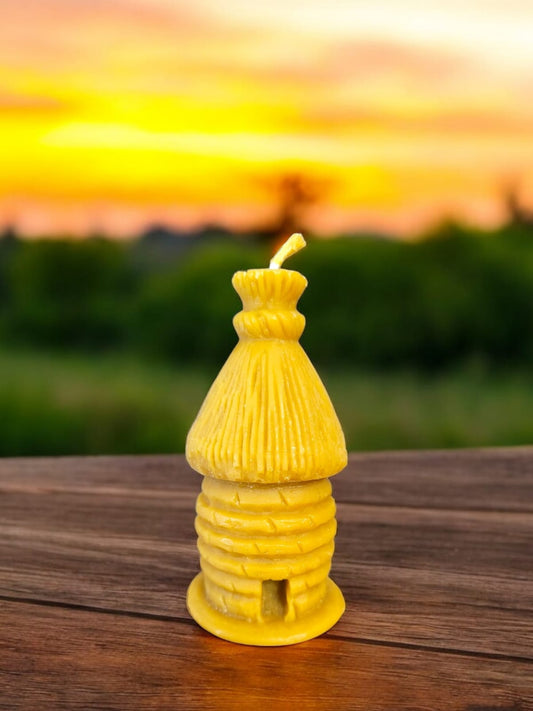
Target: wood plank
438	610
498	479
446	579
141	475
113	550
493	479
73	660
478	543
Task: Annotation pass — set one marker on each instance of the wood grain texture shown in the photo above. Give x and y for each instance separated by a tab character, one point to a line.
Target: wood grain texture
76	660
433	555
494	479
498	479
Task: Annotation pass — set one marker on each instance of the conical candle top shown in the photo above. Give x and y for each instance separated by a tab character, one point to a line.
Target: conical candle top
267	417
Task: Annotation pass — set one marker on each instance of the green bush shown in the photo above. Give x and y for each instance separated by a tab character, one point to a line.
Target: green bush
456	296
66	293
185	313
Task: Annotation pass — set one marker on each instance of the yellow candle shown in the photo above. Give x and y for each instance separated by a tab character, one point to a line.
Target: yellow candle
266	440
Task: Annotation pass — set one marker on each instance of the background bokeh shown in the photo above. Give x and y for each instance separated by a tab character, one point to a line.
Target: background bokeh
150	148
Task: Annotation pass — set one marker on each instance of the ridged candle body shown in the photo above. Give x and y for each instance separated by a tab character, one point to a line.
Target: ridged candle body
266	439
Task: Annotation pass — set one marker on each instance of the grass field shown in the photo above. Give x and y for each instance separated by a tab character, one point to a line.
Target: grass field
65	404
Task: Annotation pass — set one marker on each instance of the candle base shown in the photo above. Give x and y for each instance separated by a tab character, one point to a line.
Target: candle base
267	633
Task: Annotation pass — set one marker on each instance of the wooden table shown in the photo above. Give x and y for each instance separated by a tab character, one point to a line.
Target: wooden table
434	555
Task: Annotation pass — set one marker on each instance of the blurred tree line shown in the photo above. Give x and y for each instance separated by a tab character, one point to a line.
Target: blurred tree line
458	294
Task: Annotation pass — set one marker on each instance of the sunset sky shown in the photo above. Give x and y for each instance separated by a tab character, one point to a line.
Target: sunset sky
118	113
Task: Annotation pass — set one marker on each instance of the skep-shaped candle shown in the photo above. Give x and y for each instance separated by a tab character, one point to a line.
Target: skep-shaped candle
266	440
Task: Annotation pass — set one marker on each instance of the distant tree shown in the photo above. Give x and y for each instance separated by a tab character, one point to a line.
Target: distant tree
9	235
9	245
293	194
518	214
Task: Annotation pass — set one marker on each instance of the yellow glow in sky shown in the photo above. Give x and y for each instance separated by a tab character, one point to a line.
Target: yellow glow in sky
117	114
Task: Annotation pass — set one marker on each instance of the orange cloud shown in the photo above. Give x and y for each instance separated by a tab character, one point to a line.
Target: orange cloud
135	110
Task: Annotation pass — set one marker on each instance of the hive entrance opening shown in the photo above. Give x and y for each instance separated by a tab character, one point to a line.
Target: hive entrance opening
274	598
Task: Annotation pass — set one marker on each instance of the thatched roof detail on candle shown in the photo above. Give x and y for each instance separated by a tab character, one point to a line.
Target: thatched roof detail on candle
267	417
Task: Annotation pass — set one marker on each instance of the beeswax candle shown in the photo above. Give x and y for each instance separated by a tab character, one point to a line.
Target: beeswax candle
266	440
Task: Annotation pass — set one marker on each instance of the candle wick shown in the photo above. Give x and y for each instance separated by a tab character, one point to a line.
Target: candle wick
294	244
